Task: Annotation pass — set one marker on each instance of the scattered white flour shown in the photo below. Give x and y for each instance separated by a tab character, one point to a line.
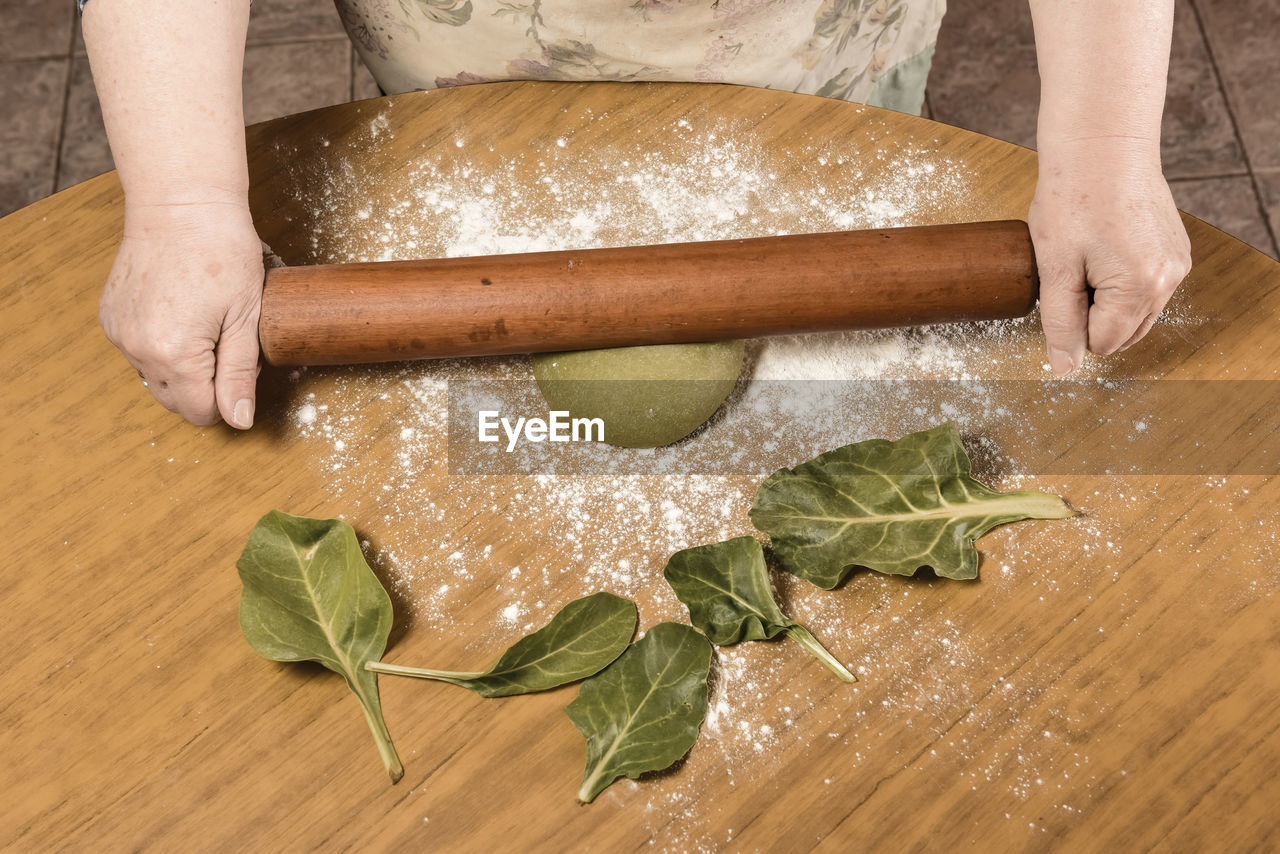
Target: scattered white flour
380	438
719	184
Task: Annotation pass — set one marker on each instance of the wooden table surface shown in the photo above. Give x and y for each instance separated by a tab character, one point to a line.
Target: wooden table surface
1111	682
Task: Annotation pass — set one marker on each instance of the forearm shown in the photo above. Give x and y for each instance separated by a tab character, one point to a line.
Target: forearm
1110	247
168	76
1103	65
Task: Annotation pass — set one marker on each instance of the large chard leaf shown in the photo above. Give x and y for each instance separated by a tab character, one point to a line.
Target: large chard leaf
310	596
726	588
642	713
889	506
580	641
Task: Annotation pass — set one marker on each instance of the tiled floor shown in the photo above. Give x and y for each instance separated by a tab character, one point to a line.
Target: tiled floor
1221	129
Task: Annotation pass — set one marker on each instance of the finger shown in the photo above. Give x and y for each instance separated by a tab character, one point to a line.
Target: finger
1064	312
1142	331
1163	290
153	381
179	374
1122	308
172	394
237	369
195	402
162	391
186	387
1118	313
159	390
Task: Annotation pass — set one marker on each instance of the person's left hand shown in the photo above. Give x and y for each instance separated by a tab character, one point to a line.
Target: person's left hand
1103	219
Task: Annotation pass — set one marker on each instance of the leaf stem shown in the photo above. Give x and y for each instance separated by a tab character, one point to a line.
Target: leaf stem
588	783
382	738
421	673
801	635
1041	505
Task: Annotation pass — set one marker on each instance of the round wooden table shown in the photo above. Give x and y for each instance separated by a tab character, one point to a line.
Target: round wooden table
1111	682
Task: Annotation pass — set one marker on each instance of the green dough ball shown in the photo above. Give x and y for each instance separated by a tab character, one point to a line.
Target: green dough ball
646	396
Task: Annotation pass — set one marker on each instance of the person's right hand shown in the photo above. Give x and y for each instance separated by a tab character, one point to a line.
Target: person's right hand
182	304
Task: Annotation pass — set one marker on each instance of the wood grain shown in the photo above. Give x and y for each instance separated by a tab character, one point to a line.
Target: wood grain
1109	686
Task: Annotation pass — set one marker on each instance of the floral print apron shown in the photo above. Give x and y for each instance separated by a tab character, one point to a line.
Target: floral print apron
870	51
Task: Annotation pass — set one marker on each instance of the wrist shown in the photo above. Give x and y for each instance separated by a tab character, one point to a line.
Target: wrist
194	214
1078	143
162	195
1109	159
1066	133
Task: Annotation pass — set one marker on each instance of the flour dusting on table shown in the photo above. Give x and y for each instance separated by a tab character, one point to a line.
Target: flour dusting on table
378	433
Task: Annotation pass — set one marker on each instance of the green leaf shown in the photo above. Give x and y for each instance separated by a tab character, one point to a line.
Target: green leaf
310	596
893	507
726	589
642	713
580	641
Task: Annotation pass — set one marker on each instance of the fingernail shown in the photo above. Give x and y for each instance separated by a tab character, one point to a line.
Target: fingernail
243	414
1061	362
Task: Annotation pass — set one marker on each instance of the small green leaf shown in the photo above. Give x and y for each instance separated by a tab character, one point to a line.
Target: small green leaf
726	589
893	507
310	596
580	641
642	713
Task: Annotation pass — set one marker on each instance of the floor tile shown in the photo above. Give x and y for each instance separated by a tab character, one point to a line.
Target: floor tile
1229	204
293	20
36	28
362	83
31	98
85	152
280	79
1269	186
984	70
1197	138
1244	36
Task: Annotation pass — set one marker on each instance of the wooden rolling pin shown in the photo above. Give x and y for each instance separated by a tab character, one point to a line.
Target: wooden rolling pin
667	294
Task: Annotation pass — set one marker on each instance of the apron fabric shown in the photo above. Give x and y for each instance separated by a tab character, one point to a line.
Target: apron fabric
874	52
